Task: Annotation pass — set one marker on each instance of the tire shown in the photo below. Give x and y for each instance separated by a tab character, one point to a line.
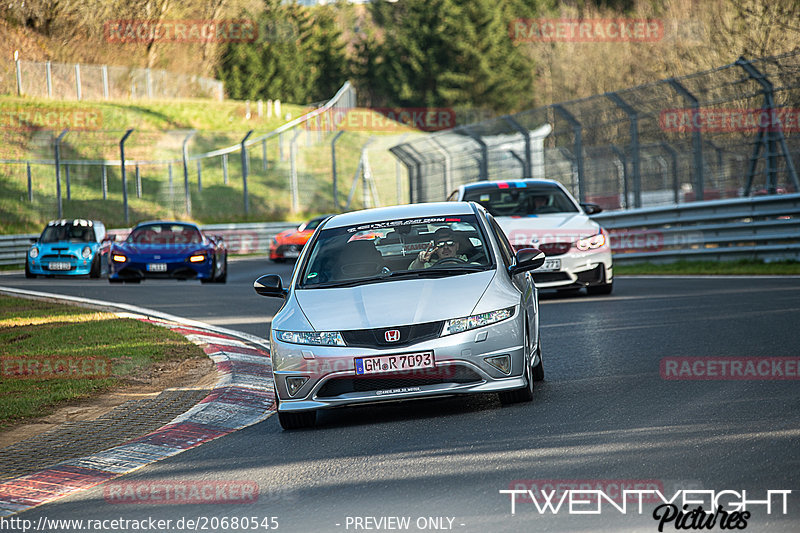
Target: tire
538	370
213	272
94	272
224	277
604	288
300	420
28	273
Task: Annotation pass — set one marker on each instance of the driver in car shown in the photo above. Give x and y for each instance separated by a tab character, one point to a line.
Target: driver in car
443	246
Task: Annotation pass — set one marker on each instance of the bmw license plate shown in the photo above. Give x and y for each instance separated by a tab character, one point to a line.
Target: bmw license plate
549	265
394	363
156	267
59	266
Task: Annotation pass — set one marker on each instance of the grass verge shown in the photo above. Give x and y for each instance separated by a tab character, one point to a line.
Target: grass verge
743	267
51	354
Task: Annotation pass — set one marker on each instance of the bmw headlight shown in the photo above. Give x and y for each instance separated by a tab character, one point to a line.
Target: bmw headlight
458	325
86	252
34	253
317	338
591	243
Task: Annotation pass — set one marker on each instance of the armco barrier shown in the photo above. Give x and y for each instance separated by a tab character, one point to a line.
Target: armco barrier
766	228
241	239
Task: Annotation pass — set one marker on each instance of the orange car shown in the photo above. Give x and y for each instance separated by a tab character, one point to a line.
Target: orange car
288	244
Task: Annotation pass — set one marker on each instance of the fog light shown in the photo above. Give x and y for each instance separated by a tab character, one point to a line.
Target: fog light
197	259
117	258
294	384
500	362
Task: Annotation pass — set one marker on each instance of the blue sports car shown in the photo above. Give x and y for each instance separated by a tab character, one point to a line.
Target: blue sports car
67	247
167	249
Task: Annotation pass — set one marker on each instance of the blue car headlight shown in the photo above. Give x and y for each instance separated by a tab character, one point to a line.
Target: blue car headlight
34	253
458	325
86	252
317	338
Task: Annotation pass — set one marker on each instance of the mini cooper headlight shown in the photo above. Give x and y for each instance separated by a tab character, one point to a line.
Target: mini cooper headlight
86	252
34	253
591	243
457	325
318	338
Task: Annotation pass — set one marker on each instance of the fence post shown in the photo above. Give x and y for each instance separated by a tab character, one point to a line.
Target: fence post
69	189
674	156
333	167
105	182
263	153
624	161
633	117
122	169
78	81
528	163
57	155
448	164
18	70
105	82
185	153
483	164
49	75
260	107
293	175
199	175
148	83
280	146
225	168
245	170
697	141
138	182
577	130
30	184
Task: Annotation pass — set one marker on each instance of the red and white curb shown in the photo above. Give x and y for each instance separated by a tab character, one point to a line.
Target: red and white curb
242	397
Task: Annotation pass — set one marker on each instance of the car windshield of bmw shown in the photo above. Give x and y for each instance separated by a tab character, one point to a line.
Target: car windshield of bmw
67	233
389	250
165	234
521	201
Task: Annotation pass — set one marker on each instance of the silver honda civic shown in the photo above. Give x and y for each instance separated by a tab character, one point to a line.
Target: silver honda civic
404	302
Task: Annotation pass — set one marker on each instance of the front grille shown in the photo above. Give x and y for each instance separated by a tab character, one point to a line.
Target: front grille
370	338
547	277
284	248
381	382
60	257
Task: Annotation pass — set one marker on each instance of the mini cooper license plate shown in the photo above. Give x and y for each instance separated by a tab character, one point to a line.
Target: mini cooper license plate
156	267
394	363
59	266
549	265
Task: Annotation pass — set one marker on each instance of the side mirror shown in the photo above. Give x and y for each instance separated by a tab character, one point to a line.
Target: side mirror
270	285
527	259
591	209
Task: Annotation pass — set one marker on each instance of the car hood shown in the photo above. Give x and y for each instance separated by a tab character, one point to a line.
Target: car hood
293	237
393	303
69	246
557	227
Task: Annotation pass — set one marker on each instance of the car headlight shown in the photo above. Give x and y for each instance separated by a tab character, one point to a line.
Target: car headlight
86	252
591	243
318	338
34	253
197	258
458	325
274	242
119	258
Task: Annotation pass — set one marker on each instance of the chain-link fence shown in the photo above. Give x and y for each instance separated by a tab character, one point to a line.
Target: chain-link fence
123	176
727	132
102	82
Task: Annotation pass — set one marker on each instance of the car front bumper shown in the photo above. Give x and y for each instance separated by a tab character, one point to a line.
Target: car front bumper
137	269
578	269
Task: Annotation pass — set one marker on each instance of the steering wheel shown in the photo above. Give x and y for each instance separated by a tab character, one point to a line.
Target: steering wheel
449	260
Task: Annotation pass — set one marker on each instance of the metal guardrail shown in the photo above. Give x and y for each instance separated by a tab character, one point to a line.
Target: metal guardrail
241	239
765	228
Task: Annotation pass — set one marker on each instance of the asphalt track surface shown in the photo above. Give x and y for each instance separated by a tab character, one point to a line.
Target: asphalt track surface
604	414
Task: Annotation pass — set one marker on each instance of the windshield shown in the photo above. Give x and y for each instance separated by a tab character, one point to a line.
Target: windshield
394	249
311	224
67	233
165	234
522	201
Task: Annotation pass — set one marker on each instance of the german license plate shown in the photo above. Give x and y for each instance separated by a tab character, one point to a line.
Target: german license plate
59	266
156	267
550	265
394	363
291	253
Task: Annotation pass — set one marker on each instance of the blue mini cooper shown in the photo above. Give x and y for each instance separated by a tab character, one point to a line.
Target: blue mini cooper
67	247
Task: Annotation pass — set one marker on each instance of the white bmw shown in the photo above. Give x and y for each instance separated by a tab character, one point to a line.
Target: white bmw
542	214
